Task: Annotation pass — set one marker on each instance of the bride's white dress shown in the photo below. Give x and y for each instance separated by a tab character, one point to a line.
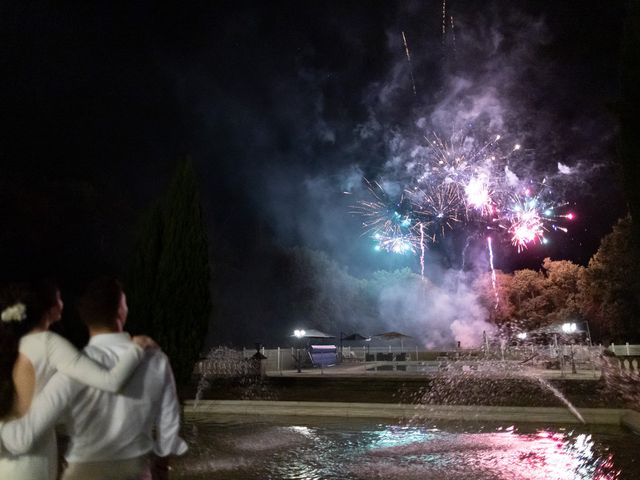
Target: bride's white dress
48	353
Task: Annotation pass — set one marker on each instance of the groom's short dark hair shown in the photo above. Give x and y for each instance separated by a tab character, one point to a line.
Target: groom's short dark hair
98	307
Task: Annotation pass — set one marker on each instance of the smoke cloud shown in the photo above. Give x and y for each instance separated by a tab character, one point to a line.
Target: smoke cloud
343	108
437	315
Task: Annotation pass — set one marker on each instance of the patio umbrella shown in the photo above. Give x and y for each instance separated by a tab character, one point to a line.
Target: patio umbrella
355	337
352	338
394	336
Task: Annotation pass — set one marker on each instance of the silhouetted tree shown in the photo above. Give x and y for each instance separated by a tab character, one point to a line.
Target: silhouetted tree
611	286
169	285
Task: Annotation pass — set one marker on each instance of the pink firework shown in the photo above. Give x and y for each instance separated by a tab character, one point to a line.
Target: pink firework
526	228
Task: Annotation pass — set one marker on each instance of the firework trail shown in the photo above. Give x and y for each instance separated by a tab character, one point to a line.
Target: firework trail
453	35
448	23
421	250
444	21
493	272
406	49
464	250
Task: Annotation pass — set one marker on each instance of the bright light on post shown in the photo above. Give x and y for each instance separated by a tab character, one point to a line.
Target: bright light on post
299	334
569	327
522	335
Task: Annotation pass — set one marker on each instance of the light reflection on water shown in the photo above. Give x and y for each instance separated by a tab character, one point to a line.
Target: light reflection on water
319	449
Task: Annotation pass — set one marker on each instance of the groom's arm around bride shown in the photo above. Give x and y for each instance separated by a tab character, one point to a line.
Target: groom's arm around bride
111	435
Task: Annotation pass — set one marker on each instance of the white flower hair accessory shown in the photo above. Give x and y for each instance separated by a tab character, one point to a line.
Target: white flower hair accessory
14	313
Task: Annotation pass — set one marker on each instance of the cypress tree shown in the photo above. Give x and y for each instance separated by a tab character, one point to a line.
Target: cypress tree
169	284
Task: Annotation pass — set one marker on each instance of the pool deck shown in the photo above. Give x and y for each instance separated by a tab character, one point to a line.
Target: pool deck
600	416
365	369
520	414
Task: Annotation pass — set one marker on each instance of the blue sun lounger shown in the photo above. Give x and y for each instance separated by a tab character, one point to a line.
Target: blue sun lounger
323	355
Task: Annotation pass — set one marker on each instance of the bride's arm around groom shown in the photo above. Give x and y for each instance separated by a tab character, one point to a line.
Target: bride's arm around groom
109	432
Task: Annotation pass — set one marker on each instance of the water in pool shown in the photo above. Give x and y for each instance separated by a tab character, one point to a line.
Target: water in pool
227	447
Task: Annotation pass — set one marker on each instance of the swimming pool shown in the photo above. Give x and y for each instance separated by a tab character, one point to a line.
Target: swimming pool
231	447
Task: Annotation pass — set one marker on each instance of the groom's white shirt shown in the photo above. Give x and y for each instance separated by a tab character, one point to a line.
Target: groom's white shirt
143	417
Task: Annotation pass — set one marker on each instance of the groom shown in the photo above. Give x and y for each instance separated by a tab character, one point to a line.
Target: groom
111	435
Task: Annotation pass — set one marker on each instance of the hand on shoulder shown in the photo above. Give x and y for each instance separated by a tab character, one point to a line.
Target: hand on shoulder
145	342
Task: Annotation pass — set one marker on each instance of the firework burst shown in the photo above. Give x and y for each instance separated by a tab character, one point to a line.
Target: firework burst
528	216
437	209
388	221
461	183
478	195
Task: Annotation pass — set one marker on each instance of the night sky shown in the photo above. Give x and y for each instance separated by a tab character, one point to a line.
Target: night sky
283	106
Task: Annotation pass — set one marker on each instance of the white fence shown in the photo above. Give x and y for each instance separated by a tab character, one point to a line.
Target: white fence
279	359
625	350
546	356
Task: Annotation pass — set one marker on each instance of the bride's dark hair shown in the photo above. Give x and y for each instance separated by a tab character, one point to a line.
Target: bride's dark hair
37	298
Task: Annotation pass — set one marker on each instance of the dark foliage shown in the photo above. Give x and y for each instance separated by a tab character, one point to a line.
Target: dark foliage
169	285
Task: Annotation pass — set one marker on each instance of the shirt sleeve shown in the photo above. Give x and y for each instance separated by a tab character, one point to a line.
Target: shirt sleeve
65	358
167	422
18	436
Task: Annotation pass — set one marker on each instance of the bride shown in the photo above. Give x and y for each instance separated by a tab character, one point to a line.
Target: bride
29	356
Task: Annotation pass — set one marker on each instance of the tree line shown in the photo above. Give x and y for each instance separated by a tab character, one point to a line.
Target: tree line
606	292
171	292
